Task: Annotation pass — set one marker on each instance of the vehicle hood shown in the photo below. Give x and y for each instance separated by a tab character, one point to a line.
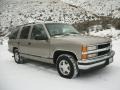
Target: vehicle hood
82	39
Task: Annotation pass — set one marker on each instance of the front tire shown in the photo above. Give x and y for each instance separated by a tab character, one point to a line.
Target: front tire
67	66
18	59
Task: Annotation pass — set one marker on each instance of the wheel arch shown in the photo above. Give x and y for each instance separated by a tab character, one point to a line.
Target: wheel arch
14	48
60	52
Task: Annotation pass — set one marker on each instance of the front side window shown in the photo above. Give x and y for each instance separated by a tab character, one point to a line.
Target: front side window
60	29
38	32
25	32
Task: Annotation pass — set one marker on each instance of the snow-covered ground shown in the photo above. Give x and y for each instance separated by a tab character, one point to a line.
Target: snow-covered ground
39	76
112	33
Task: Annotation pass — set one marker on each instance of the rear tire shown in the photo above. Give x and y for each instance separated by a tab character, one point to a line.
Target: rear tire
67	66
18	59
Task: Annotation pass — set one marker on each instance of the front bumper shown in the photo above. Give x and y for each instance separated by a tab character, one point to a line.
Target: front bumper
91	63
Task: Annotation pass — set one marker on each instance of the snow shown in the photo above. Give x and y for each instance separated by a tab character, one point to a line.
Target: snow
39	76
17	12
112	32
98	7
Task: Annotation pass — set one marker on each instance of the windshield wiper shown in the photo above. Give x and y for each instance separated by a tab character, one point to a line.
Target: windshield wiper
65	34
57	34
71	33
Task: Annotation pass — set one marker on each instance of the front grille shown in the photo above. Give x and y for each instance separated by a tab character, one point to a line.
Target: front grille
103	45
103	52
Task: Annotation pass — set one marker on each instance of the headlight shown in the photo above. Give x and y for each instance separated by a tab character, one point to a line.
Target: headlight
92	47
92	55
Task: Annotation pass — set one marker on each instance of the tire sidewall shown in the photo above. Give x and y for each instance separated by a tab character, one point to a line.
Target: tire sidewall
19	60
69	60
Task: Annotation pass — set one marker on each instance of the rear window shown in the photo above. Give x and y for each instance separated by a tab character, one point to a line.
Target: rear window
14	33
25	32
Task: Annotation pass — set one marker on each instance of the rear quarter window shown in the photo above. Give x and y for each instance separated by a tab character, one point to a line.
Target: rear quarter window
14	33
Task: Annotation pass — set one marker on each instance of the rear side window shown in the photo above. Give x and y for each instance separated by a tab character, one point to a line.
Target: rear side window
14	34
25	32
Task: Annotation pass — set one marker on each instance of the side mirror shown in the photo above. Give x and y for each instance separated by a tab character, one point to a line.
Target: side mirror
41	37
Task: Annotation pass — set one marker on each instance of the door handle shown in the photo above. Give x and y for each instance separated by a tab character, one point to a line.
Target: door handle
29	43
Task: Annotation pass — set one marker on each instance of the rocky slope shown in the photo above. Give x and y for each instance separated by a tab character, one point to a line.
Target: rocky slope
99	7
18	12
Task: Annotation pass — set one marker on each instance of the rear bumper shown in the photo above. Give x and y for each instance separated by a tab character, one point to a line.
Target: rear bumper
88	64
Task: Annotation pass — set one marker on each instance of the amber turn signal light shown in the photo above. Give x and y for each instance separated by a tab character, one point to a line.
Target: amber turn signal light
84	49
84	55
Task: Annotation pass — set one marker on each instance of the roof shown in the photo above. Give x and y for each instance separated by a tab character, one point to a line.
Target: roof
42	22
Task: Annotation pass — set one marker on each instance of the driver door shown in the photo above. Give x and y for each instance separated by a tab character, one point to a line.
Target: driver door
38	43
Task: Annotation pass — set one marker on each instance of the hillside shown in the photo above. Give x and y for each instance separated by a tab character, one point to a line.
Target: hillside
99	7
18	12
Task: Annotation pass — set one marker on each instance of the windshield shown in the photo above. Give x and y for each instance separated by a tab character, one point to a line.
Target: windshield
60	29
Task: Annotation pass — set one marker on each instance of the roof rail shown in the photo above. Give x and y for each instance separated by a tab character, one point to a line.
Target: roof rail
37	22
26	24
29	23
34	22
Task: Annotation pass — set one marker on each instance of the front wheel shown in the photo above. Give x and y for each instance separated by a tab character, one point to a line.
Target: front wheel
67	66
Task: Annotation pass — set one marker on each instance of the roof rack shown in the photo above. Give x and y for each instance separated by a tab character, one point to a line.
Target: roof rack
29	23
37	22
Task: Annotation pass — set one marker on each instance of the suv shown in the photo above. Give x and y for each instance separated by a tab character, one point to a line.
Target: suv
60	44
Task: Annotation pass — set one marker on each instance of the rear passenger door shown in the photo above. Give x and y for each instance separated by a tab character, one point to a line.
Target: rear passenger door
23	40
